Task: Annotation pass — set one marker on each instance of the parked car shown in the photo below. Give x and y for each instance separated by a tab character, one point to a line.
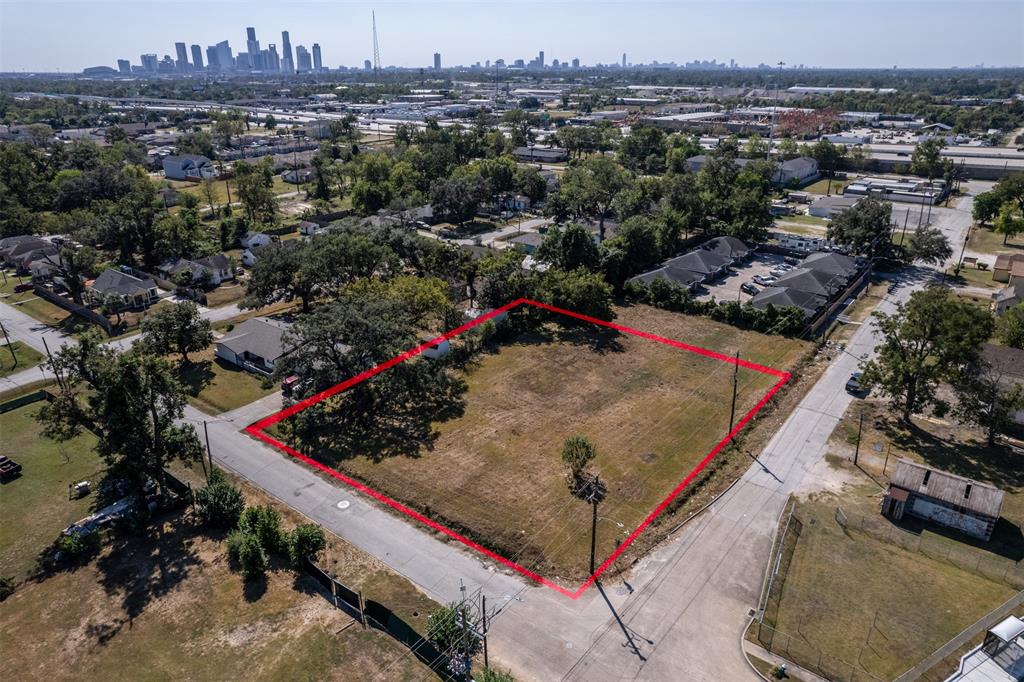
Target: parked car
791	260
853	384
764	280
24	286
749	288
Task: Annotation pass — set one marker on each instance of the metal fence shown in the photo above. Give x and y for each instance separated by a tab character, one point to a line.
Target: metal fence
376	615
973	559
794	648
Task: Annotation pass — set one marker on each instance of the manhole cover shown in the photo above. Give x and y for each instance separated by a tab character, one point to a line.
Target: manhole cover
343	504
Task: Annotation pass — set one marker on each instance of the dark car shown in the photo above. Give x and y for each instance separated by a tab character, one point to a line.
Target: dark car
853	384
749	288
24	286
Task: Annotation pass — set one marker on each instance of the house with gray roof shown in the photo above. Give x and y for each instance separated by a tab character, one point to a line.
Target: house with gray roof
812	282
729	247
684	278
189	167
829	207
216	267
832	263
119	291
1007	297
255	345
21	251
783	297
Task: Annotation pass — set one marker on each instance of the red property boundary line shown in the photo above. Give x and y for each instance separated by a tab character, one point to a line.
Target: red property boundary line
257	430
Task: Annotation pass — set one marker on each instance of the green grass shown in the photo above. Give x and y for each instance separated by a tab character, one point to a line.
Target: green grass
30	304
215	386
25	357
806	220
784	225
978	278
984	240
867	602
653	411
821	186
35	507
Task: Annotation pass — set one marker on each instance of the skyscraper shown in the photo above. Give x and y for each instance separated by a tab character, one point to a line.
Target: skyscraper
148	62
287	62
540	58
272	62
303	62
252	46
318	62
623	60
182	62
197	58
212	59
124	66
576	62
437	61
225	61
367	64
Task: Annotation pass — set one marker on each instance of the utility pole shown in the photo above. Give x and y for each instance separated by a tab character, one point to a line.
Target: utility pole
209	454
60	380
463	613
593	523
860	429
771	127
9	346
483	616
735	383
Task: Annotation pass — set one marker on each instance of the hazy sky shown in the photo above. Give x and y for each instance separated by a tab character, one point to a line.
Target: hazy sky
46	36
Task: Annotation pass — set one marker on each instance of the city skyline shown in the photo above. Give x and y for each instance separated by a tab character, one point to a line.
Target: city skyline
410	33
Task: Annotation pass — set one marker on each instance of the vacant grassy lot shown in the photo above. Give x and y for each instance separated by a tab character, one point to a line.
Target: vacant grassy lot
977	278
215	386
652	410
30	304
25	357
821	186
870	603
35	507
984	240
165	605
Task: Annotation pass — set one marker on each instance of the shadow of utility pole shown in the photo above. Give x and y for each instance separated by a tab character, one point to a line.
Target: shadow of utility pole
630	642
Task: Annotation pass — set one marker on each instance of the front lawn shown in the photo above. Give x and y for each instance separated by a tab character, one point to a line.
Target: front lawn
35	507
984	240
653	412
29	303
215	386
25	357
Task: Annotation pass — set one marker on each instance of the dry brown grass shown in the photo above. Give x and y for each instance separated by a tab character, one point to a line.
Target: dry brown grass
652	410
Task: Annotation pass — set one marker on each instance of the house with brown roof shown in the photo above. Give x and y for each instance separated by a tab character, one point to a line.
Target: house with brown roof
1009	268
949	500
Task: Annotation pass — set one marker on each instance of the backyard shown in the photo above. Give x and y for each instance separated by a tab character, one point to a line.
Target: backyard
35	507
653	412
164	604
216	386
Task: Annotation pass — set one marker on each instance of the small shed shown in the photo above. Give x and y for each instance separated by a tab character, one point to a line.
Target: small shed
949	500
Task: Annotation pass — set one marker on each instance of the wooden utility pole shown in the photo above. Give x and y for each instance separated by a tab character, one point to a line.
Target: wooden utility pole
593	521
14	357
209	454
735	384
483	617
860	428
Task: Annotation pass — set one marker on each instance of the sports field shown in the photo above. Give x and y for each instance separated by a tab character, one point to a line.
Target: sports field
653	410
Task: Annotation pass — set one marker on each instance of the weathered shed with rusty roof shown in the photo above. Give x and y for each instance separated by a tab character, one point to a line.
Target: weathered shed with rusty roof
944	498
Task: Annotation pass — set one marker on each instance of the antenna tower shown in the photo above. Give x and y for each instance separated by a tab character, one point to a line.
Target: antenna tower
376	47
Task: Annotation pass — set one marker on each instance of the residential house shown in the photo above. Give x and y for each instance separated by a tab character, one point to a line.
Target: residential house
251	239
120	291
1009	268
798	171
836	264
296	176
189	167
949	500
729	247
21	251
829	207
1008	297
169	195
812	281
215	269
1007	365
785	297
255	345
704	262
528	242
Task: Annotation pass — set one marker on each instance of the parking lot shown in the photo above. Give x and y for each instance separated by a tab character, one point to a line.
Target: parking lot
727	288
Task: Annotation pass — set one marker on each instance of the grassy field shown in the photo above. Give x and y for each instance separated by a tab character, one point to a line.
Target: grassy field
225	294
984	240
653	412
978	278
867	602
821	186
35	507
215	386
25	357
166	606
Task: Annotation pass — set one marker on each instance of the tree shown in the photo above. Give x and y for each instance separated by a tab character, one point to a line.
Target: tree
1009	222
570	248
504	278
788	149
829	158
986	207
227	125
269	122
444	627
638	240
644	150
530	183
926	158
208	185
457	199
590	188
923	343
577	454
254	185
864	228
1010	326
263	523
985	399
219	504
75	265
929	245
306	542
578	290
284	270
177	328
756	148
133	407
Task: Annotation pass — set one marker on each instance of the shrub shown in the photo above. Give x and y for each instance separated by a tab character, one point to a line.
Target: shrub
492	675
76	545
219	504
245	552
305	541
6	587
263	523
444	628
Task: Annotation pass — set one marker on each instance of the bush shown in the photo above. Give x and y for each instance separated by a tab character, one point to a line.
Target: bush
219	504
492	675
305	541
444	628
77	545
264	524
245	552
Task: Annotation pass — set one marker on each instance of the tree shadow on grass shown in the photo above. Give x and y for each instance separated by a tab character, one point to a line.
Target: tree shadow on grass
195	376
598	339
